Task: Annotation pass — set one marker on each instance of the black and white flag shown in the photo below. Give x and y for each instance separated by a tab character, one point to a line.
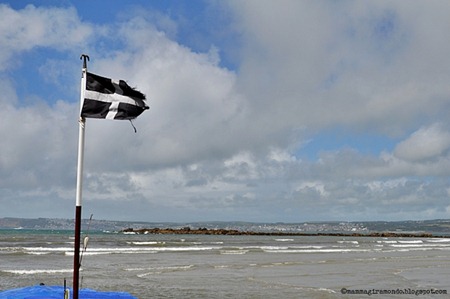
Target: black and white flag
110	99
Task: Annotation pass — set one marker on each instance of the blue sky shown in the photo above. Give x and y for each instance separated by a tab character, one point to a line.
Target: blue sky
259	110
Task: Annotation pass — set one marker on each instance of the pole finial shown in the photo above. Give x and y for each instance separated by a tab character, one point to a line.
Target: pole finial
84	57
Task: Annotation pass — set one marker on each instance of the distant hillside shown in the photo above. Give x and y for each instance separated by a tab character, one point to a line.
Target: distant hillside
432	226
62	224
439	226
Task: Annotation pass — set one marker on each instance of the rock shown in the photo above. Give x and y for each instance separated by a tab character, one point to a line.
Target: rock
205	231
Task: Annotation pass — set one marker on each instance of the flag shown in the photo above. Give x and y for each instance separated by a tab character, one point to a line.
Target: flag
110	99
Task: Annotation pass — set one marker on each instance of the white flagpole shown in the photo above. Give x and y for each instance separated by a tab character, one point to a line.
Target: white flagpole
82	122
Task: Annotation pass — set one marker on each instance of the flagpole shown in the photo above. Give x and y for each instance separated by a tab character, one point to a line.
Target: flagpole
82	122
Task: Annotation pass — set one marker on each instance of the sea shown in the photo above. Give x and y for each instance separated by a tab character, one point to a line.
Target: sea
221	266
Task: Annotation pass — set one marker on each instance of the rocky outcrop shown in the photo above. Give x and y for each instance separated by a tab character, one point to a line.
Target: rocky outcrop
205	231
185	231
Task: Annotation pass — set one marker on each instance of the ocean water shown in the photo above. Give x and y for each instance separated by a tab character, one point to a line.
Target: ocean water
204	266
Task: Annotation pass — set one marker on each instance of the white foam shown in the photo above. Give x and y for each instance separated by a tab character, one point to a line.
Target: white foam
440	240
387	241
188	248
136	250
46	249
411	249
103	251
308	247
430	246
148	273
284	240
348	242
233	251
146	243
274	248
323	250
38	271
411	241
407	245
162	268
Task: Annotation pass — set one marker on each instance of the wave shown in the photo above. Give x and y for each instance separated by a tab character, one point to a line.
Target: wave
407	245
89	253
416	243
146	243
439	240
387	241
322	250
410	241
46	249
34	250
278	245
348	242
239	251
162	268
415	249
134	250
38	271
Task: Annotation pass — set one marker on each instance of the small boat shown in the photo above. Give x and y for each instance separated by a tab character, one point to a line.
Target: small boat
59	292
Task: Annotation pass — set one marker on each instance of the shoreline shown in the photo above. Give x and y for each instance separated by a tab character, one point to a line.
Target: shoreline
233	232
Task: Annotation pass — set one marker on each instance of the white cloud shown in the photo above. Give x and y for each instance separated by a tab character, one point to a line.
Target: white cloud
427	143
39	145
23	30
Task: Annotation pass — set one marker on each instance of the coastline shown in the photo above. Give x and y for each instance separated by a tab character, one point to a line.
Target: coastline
233	232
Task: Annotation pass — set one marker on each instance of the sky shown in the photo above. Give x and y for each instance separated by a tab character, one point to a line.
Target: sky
261	111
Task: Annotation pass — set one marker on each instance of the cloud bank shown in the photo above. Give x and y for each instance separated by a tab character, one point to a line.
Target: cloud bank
222	143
